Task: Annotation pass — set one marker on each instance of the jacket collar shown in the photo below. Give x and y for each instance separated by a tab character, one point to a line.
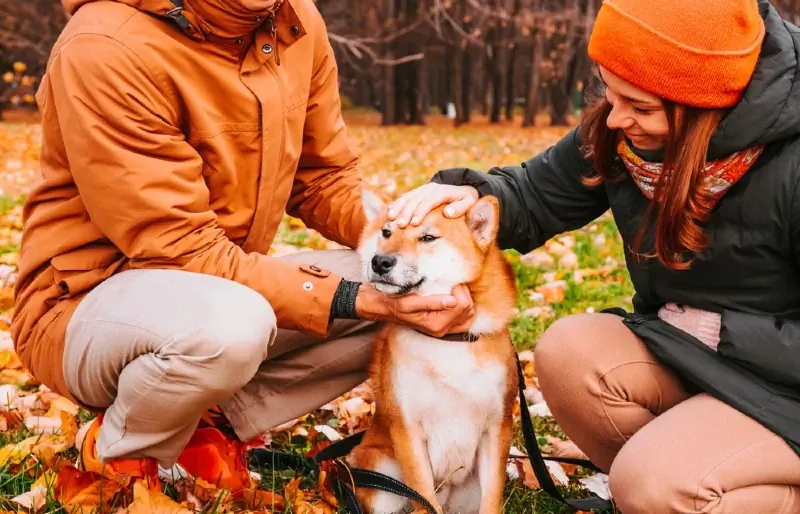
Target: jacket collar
218	19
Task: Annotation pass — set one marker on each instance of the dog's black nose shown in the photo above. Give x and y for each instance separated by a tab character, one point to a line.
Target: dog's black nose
383	263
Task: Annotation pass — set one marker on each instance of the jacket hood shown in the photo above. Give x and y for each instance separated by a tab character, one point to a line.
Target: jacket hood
226	19
769	110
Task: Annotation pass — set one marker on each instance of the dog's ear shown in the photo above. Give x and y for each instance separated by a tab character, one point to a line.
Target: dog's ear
483	220
373	205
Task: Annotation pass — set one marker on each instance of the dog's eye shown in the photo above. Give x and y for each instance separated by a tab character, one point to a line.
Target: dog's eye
427	238
386	233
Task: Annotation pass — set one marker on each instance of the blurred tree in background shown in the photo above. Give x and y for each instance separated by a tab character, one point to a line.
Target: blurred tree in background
406	58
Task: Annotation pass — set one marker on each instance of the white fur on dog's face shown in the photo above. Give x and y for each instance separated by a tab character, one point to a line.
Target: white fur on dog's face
428	259
435	267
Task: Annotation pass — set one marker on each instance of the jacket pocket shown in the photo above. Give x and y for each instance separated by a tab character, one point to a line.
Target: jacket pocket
78	271
765	345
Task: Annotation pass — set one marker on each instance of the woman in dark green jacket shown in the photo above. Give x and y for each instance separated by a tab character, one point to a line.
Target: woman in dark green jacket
691	403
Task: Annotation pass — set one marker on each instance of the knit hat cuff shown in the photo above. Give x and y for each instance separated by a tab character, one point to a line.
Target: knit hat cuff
665	67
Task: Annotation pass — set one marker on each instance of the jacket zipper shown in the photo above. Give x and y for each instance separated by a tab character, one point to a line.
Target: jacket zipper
273	30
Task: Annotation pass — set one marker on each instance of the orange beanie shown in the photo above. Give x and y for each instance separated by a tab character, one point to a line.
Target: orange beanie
700	53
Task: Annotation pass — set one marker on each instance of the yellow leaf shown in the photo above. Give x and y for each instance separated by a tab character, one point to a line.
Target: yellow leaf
146	501
62	404
16	376
9	359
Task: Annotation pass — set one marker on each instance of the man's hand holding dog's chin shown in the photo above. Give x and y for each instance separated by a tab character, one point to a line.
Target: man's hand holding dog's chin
436	315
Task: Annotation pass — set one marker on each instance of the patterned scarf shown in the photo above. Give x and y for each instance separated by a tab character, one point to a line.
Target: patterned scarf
718	176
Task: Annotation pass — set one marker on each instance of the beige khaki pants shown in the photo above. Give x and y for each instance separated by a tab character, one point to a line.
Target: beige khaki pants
666	451
156	348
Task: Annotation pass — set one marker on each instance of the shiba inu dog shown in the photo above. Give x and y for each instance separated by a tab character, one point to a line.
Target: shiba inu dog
443	405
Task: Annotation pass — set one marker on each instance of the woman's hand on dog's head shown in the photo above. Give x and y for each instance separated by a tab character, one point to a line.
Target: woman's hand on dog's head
413	206
436	315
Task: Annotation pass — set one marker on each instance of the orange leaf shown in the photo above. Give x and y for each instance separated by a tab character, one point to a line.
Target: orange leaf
526	473
292	492
324	485
146	501
258	499
76	488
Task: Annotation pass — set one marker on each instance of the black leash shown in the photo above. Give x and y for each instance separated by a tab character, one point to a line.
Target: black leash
346	478
537	459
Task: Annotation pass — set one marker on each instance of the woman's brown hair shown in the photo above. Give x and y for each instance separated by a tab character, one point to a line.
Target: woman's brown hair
678	201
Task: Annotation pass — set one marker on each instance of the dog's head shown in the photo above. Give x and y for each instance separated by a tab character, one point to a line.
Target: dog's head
431	258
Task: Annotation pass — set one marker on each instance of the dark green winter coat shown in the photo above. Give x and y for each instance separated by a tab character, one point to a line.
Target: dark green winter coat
750	272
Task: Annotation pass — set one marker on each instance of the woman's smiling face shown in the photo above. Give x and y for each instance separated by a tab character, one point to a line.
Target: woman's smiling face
637	113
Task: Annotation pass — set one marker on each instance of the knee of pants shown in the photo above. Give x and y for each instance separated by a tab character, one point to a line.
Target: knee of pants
562	352
642	485
230	345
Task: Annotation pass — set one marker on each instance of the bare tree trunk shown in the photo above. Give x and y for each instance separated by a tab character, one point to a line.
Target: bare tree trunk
457	93
466	83
446	88
563	84
511	68
534	86
389	101
416	93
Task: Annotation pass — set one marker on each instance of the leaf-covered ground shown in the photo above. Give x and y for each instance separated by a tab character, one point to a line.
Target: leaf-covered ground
580	271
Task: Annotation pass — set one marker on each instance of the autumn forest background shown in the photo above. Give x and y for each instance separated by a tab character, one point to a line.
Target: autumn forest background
426	84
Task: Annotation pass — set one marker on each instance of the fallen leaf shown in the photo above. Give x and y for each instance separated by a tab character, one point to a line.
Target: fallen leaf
43	424
525	355
568	260
258	499
526	473
598	484
324	485
85	490
146	501
554	292
16	376
9	359
329	432
540	410
557	248
538	259
34	500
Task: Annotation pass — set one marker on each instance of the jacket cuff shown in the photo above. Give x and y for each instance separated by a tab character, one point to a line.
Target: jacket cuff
464	177
344	300
313	298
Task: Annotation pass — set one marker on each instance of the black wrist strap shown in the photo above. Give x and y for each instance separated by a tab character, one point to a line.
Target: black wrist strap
344	300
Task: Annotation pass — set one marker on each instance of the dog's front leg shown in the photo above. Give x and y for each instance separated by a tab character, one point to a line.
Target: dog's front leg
493	456
412	456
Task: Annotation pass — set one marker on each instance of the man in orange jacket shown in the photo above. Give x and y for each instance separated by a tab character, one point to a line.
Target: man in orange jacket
176	133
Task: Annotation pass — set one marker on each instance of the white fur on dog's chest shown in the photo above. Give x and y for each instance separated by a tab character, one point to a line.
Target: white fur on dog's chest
442	388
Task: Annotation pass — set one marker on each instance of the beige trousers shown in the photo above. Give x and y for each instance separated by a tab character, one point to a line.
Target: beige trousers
156	348
666	451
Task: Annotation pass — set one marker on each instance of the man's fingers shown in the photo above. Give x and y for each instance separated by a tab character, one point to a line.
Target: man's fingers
461	293
417	303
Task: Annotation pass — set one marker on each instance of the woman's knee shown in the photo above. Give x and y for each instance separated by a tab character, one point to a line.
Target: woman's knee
568	345
642	483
